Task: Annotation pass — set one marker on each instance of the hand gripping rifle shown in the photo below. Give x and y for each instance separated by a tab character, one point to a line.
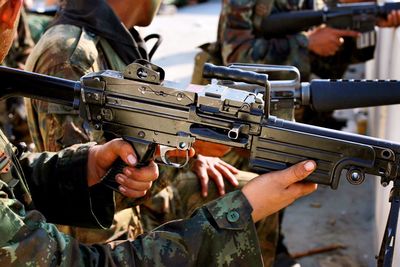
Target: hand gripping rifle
139	106
359	17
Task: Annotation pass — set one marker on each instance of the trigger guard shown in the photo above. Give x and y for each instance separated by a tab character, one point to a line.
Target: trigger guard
163	153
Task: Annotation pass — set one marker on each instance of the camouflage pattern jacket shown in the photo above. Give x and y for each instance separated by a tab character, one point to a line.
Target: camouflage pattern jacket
219	234
70	52
240	36
241	40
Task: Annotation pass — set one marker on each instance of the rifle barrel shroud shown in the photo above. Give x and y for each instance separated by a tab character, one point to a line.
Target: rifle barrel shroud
320	94
174	116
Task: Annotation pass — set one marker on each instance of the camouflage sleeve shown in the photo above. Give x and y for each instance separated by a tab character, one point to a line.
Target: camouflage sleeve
53	126
219	234
58	185
238	34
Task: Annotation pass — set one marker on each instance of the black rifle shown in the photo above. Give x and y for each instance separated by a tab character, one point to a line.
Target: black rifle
145	110
359	17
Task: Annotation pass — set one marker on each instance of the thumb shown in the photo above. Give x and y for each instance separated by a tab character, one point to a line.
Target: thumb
122	149
297	172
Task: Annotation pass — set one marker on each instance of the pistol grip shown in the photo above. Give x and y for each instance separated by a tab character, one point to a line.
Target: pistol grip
144	151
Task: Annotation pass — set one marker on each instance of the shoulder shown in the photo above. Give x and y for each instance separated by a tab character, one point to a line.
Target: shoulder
64	45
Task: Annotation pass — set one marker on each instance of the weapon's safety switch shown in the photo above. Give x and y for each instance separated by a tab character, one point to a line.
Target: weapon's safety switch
233	216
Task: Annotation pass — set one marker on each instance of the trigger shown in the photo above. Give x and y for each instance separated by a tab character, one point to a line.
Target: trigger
165	159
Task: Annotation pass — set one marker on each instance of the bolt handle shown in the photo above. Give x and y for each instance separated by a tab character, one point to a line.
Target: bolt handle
144	151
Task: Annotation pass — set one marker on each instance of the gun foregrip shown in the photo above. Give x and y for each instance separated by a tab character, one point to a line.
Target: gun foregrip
144	152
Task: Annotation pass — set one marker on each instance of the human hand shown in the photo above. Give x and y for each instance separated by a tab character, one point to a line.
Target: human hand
273	191
392	20
134	181
326	41
216	169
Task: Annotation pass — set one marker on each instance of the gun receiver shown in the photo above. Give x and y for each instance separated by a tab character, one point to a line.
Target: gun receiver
359	17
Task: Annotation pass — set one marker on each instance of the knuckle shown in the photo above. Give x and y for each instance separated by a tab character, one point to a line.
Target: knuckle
149	184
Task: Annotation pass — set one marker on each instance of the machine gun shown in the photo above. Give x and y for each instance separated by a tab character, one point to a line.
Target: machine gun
359	17
145	110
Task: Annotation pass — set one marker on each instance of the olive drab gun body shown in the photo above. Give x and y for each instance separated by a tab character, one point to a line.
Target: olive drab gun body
139	106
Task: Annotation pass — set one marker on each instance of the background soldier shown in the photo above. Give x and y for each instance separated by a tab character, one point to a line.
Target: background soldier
322	50
27	237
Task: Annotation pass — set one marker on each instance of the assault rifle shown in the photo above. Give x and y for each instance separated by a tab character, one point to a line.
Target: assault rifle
145	110
359	17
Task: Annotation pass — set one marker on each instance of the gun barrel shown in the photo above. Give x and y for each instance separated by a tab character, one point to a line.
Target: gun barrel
16	82
328	95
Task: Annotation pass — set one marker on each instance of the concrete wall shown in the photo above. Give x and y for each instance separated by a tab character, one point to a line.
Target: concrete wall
384	122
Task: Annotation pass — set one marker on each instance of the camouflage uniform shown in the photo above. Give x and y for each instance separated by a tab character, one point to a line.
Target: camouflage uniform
12	111
56	189
13	119
53	126
70	52
182	196
241	40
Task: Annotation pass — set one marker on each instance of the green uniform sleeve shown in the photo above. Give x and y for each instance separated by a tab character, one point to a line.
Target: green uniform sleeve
58	185
218	234
53	126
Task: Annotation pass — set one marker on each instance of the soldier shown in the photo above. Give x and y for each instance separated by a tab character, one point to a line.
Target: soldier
61	180
97	44
95	47
322	50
